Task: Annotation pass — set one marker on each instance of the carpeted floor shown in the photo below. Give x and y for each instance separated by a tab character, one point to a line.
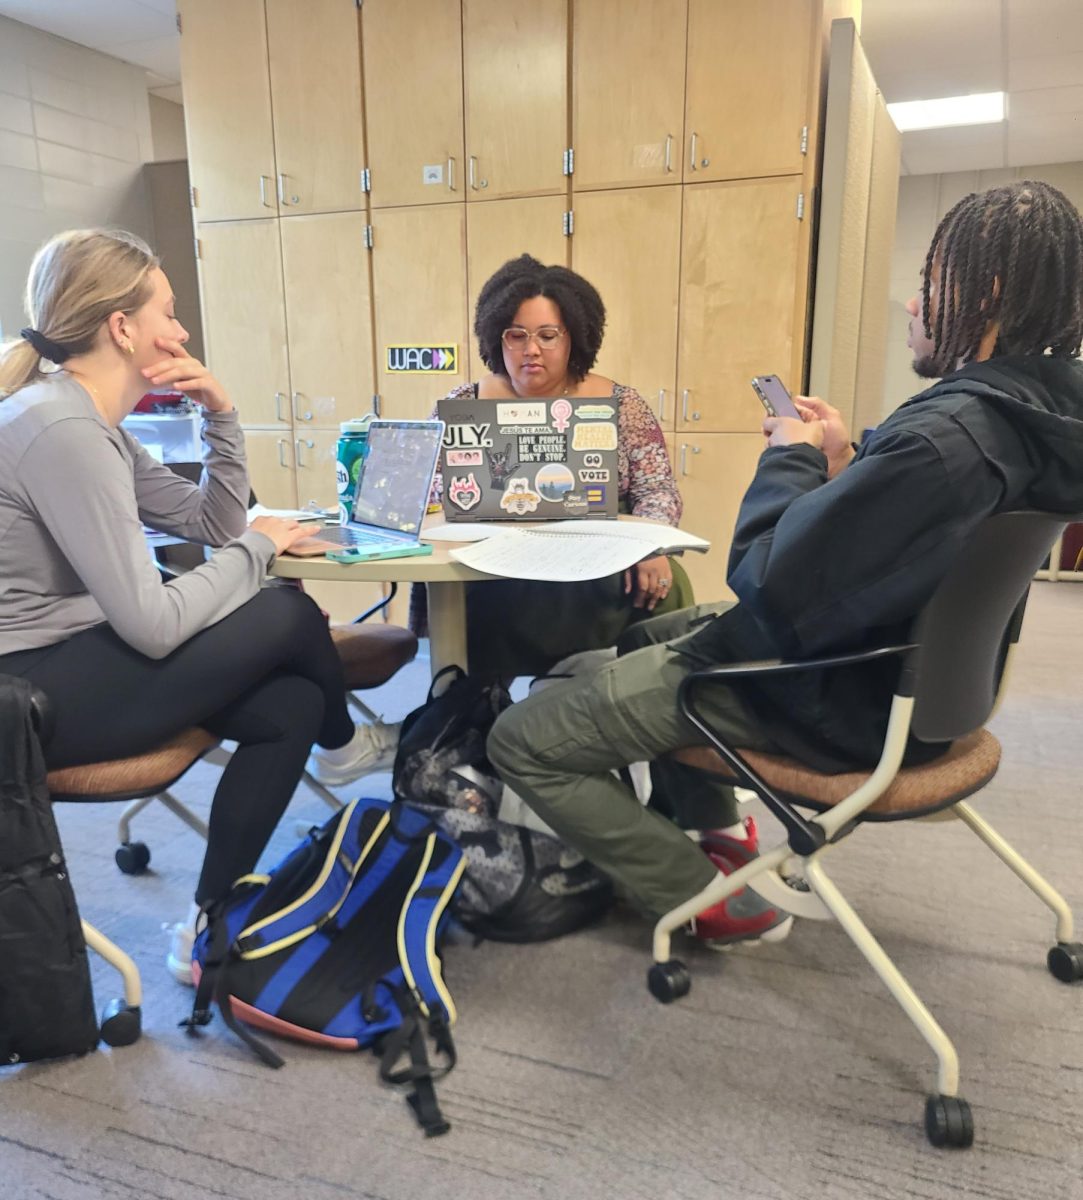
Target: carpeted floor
786	1074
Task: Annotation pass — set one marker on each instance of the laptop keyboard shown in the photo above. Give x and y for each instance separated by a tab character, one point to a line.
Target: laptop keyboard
344	535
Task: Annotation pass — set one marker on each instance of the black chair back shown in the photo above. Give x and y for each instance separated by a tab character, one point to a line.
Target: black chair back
963	633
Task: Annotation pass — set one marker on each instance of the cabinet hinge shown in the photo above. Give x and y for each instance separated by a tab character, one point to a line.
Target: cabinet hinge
199	249
368	237
193	196
804	139
568	223
377	399
569	161
180	24
366	180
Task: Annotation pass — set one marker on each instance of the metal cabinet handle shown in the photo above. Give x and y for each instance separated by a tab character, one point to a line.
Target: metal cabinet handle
264	180
299	443
684	405
450	174
661	404
669	153
473	172
279	397
294	199
692	154
684	458
282	444
297	415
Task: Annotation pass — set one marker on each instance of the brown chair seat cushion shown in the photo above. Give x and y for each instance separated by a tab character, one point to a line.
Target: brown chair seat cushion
130	778
969	764
372	652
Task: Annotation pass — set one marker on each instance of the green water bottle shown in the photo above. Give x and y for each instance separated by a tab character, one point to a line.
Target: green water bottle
350	451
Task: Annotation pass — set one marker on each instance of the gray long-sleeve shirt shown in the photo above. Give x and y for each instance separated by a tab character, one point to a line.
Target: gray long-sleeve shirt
74	494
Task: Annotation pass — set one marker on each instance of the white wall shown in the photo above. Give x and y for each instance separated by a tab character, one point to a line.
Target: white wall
74	134
923	200
167	130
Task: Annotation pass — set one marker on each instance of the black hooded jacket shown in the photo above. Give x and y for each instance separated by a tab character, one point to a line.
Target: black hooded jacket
822	566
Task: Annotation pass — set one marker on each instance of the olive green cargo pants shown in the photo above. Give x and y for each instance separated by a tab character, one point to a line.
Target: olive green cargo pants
557	749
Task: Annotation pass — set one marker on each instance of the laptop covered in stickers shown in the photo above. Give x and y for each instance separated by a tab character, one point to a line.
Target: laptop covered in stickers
529	460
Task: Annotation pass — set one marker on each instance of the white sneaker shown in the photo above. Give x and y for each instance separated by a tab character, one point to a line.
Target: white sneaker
179	959
371	749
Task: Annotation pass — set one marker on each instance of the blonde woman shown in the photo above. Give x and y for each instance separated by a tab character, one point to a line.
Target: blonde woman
125	660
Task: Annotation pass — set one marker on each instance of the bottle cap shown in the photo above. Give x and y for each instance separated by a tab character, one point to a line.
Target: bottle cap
356	424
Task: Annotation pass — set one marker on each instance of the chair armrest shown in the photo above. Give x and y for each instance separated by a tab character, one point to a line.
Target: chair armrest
804	836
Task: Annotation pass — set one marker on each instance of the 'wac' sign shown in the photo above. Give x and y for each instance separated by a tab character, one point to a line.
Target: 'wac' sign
426	360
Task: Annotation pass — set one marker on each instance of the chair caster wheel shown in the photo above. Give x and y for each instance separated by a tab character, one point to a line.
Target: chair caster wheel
669	981
121	1024
1066	961
948	1122
133	857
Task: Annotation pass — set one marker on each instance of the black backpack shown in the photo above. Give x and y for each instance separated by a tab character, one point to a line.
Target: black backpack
520	885
46	1002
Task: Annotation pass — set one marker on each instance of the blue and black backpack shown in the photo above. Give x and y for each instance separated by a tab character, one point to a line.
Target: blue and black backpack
337	946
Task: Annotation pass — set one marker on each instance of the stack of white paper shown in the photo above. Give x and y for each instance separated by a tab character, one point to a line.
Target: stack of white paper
569	551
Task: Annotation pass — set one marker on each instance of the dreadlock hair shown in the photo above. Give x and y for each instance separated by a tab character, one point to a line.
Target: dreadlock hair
1012	255
522	279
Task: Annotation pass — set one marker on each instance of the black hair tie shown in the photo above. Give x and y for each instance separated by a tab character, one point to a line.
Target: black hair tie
46	347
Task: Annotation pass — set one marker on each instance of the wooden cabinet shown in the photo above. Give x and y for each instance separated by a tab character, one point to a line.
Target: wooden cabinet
628	244
747	97
314	451
271	467
273	110
314	58
515	68
744	270
505	229
713	473
325	272
415	117
244	318
419	295
628	91
227	108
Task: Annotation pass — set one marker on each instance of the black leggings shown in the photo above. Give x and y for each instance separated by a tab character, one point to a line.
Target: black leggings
267	677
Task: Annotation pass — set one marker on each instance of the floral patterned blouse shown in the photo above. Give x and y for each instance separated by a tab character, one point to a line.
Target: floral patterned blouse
646	486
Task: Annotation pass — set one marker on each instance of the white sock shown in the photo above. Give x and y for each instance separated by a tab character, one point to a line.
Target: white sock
737	831
193	915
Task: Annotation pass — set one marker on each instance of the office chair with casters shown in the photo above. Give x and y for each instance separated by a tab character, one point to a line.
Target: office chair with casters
121	779
953	672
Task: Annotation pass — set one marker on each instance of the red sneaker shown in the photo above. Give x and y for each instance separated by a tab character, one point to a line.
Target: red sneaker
744	916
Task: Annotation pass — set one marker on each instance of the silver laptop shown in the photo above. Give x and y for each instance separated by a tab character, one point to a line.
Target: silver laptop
392	489
529	459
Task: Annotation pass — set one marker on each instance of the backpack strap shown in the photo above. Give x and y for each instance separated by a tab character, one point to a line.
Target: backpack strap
409	1038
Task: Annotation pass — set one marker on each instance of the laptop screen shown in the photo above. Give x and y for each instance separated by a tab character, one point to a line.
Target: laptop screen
393	490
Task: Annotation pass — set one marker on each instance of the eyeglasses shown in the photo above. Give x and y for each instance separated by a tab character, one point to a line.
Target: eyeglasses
547	337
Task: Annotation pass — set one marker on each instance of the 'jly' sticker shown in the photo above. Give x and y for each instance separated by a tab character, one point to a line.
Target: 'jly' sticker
463	492
467	437
519	498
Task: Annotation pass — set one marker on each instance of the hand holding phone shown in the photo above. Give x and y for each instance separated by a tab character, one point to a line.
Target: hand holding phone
774	397
356	554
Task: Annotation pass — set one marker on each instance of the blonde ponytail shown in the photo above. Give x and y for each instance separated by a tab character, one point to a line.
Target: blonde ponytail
77	279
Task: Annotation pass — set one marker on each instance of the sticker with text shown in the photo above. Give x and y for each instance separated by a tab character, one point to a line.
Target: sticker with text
543	447
467	437
595	437
463	491
575	505
423	360
595	412
593	475
520	412
519	497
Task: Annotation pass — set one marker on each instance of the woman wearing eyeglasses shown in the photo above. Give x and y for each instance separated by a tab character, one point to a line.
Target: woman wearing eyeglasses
539	330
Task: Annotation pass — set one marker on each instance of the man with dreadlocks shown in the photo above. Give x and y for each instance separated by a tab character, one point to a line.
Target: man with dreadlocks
835	549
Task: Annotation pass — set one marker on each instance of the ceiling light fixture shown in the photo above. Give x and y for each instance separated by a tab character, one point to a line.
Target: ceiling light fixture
986	108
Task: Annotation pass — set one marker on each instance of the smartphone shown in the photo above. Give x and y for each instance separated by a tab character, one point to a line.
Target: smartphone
356	554
774	396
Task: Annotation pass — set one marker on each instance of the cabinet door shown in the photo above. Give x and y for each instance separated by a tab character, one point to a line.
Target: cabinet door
329	316
628	91
315	65
315	456
747	94
628	244
227	108
270	467
244	320
713	473
744	269
414	119
515	64
419	294
505	229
